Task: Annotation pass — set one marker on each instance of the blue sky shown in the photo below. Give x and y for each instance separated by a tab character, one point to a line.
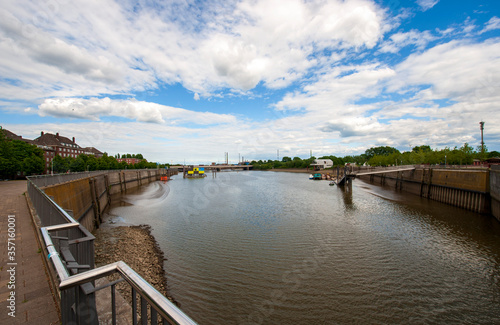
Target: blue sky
190	80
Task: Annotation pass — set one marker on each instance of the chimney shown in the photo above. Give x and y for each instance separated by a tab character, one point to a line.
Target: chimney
73	139
57	134
41	134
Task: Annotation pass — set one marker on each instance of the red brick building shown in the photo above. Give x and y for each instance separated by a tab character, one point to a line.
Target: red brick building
55	144
130	161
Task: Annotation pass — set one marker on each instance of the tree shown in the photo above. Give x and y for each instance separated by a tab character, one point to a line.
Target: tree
32	165
424	148
493	154
78	164
380	151
19	158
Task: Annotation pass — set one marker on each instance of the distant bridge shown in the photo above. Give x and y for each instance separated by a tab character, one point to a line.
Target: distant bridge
180	168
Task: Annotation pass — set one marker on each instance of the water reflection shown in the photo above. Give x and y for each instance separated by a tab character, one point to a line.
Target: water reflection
346	191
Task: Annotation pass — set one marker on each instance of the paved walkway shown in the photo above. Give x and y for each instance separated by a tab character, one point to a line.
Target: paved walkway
34	303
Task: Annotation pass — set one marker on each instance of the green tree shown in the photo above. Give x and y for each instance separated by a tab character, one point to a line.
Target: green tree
494	154
424	148
78	164
19	158
380	151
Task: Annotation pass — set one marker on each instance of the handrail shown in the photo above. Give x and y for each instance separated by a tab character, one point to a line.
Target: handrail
166	308
170	313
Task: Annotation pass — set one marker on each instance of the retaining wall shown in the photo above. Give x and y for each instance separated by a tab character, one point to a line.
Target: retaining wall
495	191
468	189
87	198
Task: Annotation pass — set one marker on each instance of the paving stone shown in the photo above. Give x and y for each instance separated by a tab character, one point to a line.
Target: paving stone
34	301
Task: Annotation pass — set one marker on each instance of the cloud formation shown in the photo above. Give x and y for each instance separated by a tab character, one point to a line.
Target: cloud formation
335	77
94	108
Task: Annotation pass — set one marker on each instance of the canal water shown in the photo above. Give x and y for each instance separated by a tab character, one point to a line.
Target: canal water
257	247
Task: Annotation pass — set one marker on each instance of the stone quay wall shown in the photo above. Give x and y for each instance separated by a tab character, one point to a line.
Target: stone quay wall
86	199
495	190
465	188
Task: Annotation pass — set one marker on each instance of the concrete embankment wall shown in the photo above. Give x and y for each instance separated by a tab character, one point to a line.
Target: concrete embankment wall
87	198
468	189
495	191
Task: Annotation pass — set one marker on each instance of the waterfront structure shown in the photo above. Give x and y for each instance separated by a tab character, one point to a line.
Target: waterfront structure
322	164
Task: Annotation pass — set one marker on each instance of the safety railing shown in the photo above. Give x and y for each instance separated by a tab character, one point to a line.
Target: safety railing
47	180
70	252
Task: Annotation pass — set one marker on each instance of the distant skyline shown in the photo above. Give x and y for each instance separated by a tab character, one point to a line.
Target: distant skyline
187	81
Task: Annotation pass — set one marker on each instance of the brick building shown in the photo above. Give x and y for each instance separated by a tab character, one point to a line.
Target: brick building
130	161
55	144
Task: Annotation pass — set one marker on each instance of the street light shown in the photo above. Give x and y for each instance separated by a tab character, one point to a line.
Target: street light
481	126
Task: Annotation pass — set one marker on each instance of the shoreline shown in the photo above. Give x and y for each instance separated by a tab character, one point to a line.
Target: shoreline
137	247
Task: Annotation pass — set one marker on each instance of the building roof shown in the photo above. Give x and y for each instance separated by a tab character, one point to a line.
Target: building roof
95	151
49	139
12	136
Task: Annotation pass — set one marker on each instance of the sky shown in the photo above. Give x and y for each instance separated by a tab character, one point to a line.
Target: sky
183	81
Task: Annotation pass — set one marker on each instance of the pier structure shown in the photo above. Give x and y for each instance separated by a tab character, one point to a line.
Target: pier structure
467	188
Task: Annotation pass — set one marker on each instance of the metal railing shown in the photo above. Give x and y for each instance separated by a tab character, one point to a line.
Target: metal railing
47	180
70	249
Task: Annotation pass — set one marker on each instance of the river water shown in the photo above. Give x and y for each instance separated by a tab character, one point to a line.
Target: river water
257	247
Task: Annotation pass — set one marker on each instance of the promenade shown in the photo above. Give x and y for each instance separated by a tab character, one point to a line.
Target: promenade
24	286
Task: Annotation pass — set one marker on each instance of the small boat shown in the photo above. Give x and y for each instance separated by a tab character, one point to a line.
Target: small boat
318	176
311	176
332	183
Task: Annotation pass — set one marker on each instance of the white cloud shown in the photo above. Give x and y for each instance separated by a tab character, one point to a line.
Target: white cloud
427	4
492	24
69	59
401	39
94	108
455	70
91	48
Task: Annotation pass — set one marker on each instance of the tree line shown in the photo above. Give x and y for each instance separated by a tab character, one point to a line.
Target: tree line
89	163
19	159
388	156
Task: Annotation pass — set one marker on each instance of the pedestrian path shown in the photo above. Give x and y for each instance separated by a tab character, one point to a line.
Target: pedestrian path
24	285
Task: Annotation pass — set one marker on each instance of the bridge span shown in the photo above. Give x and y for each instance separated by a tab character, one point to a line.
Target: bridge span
180	168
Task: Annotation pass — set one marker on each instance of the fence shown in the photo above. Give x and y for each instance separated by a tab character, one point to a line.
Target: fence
70	249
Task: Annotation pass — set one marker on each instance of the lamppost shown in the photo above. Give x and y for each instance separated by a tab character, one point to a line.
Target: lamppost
481	126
